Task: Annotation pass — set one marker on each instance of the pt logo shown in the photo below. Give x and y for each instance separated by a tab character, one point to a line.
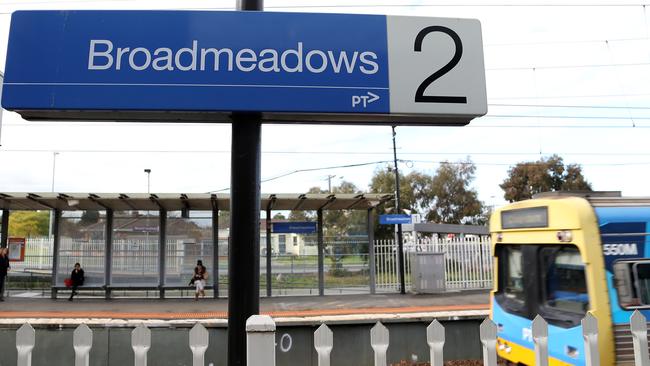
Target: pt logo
364	100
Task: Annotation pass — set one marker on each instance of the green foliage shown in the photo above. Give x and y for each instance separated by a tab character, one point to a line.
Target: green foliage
545	175
445	197
455	202
336	223
29	223
89	217
279	216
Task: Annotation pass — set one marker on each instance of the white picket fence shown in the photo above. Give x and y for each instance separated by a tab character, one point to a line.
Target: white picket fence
468	262
261	342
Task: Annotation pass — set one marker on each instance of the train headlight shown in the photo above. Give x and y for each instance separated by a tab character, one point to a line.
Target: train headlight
564	236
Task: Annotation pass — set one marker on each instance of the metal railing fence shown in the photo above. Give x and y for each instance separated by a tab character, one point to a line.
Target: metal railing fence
261	345
468	262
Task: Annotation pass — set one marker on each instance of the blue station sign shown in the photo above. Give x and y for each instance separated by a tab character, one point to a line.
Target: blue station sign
302	67
395	219
294	227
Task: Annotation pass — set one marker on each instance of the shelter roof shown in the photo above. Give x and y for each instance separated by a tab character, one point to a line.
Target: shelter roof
191	201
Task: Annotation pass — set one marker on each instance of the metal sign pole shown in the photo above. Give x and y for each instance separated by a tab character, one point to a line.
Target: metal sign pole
400	244
244	251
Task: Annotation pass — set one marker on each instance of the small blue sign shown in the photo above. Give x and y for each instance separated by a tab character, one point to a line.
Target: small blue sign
395	219
294	227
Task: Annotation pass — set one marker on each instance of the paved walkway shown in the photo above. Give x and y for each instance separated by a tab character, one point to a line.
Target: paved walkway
307	306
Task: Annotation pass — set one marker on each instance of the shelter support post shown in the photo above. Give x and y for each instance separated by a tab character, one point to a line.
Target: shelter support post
244	246
215	251
321	254
269	287
162	250
55	249
108	254
4	236
372	269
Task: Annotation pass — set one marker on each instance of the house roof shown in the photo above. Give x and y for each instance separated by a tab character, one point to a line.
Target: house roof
191	201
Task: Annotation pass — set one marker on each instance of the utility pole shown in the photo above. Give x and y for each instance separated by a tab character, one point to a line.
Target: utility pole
244	244
400	245
329	182
54	154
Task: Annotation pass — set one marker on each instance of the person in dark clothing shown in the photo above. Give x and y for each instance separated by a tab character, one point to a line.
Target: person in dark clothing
77	278
200	275
4	267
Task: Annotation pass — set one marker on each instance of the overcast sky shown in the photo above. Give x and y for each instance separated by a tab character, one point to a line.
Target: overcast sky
564	77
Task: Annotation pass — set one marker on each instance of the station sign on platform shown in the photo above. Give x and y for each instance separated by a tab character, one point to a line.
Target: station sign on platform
290	67
306	227
395	219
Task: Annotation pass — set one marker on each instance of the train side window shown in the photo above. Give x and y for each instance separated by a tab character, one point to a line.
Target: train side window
642	281
632	282
513	288
566	284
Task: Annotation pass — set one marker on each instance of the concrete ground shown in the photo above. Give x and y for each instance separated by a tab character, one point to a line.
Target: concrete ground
217	308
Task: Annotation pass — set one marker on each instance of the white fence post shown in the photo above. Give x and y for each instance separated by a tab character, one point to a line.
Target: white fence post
379	342
540	338
323	342
488	335
260	341
82	342
639	328
436	341
141	342
199	338
25	341
590	335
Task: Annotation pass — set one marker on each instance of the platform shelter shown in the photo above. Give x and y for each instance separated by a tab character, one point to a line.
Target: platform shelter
133	241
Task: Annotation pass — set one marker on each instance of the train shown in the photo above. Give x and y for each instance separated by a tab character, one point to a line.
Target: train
562	255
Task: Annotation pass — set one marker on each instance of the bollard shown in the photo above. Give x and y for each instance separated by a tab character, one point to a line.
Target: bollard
260	341
25	341
436	341
590	335
639	328
323	342
199	338
540	338
82	342
379	341
488	335
141	342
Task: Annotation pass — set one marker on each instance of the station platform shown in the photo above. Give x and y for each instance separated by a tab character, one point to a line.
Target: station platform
298	309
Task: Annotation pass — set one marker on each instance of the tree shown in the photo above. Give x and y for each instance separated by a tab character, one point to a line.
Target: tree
545	175
29	223
279	216
455	202
445	197
89	217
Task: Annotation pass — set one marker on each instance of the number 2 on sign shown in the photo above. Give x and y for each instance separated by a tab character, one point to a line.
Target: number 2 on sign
419	94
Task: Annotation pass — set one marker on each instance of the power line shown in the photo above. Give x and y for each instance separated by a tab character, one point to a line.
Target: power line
539	43
554	67
312	170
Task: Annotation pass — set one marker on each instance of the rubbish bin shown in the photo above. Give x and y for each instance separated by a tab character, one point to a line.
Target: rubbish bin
427	272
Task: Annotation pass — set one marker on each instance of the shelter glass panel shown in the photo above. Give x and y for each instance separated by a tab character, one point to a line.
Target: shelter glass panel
294	259
188	240
346	252
33	270
82	240
135	249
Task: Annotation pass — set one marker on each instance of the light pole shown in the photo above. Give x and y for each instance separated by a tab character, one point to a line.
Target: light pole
146	226
400	245
148	171
54	154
